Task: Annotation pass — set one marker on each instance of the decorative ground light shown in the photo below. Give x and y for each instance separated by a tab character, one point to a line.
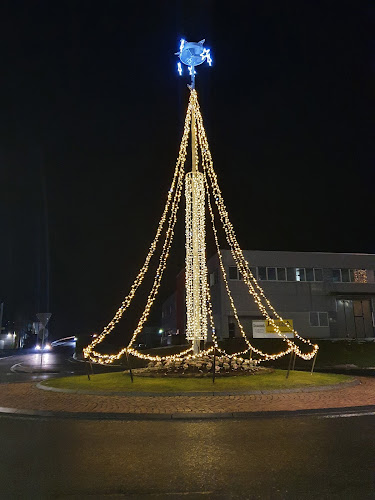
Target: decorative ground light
201	188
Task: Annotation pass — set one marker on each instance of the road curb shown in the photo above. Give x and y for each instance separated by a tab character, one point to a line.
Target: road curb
321	412
342	385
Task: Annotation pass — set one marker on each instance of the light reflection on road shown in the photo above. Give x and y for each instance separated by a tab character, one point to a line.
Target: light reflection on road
302	458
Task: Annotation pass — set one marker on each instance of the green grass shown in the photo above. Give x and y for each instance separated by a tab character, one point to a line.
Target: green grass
121	382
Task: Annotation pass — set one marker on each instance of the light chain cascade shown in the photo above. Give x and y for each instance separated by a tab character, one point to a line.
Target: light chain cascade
196	268
199	185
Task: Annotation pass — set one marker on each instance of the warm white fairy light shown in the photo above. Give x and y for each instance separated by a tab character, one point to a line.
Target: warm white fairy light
171	206
196	268
176	187
237	253
197	322
250	347
360	275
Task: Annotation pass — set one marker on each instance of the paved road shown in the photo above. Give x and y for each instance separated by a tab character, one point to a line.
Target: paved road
59	361
25	365
261	458
299	458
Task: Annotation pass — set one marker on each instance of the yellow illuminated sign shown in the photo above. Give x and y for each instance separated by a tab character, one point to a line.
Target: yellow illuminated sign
283	328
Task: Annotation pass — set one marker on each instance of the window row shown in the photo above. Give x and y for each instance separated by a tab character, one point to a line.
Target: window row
280	273
349	275
300	274
318	318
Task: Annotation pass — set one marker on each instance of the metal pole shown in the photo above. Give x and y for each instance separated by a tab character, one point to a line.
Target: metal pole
214	367
130	367
313	365
294	361
41	353
193	77
290	364
87	369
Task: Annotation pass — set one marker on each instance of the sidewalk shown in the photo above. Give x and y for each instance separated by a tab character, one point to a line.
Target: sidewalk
26	398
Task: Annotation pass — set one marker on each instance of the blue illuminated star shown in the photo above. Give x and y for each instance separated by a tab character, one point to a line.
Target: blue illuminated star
207	55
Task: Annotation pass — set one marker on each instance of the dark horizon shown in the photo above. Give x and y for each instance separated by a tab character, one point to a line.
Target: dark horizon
93	107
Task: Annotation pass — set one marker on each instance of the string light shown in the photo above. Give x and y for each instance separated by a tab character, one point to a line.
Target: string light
237	253
196	268
89	351
198	299
360	275
170	206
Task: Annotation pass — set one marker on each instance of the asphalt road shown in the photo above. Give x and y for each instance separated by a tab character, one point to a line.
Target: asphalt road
294	458
260	458
25	365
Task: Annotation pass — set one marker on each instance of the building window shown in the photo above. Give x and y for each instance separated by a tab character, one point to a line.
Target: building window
233	273
318	318
349	275
313	274
281	274
291	273
314	319
309	274
359	276
323	319
271	273
262	273
232	330
300	274
345	275
214	278
318	274
336	275
254	271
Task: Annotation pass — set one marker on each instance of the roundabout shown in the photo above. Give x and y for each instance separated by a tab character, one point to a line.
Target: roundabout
27	399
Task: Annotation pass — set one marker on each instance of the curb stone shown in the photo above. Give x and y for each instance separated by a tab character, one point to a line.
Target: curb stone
14	412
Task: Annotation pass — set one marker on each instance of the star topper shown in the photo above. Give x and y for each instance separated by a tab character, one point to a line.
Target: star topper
192	54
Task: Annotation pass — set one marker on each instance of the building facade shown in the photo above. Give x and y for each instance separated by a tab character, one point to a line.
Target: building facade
326	295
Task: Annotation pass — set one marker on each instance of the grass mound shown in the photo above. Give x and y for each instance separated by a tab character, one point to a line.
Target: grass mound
120	382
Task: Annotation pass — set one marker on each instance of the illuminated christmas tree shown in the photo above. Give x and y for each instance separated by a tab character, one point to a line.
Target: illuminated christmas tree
201	190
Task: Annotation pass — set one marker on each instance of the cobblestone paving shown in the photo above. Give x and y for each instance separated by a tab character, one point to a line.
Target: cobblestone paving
26	396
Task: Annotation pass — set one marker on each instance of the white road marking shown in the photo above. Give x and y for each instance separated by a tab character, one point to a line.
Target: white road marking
13	368
7	357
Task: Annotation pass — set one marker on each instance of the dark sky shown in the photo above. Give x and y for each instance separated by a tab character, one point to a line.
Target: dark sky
91	118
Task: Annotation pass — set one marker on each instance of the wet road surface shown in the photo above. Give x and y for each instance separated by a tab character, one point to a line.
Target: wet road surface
296	458
60	362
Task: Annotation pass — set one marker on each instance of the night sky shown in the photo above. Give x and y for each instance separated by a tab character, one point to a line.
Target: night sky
91	117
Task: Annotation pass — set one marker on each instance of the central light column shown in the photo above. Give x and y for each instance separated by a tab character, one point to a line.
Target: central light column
195	174
196	269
